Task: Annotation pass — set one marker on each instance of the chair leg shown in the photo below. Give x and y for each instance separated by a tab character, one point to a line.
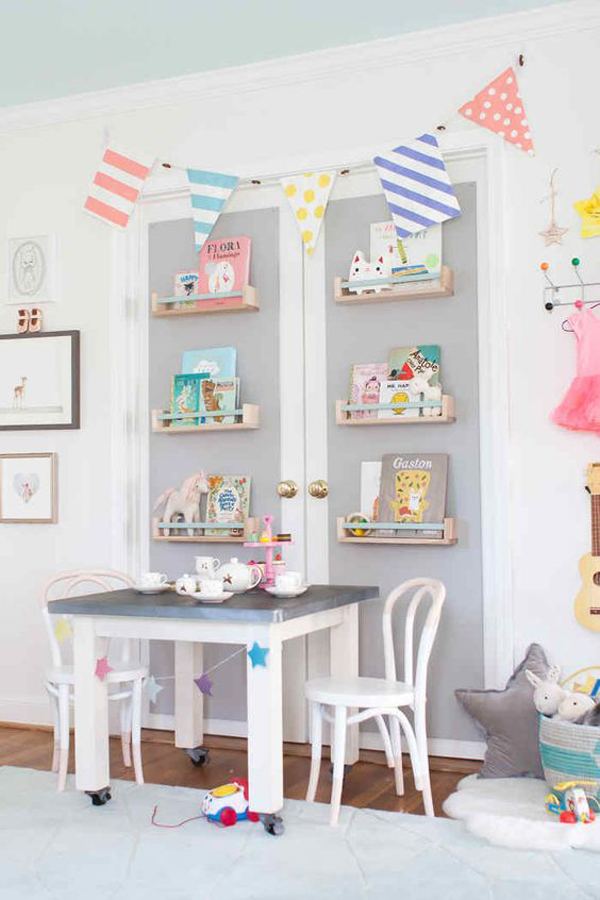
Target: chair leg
385	737
125	716
316	749
63	728
56	728
397	754
136	730
421	736
339	754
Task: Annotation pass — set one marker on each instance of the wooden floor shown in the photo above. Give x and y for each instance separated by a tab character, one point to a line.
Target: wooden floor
368	784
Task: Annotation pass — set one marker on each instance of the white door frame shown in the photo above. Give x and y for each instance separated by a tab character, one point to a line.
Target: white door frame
130	418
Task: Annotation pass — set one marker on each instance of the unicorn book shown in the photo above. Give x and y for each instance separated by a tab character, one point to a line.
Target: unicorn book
413	490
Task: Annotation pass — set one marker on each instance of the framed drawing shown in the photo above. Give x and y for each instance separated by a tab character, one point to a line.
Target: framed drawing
32	269
28	492
39	380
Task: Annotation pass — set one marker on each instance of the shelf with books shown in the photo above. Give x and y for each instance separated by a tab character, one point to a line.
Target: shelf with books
248	417
343	410
415	287
160	529
447	528
243	300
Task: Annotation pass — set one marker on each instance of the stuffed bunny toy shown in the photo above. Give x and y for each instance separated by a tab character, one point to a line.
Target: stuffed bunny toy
548	694
574	706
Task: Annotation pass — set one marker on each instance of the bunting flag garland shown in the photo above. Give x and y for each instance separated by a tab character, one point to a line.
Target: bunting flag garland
417	186
116	187
308	195
210	191
153	688
499	108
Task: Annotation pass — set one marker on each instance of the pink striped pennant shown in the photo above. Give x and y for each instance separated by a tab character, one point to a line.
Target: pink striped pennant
116	187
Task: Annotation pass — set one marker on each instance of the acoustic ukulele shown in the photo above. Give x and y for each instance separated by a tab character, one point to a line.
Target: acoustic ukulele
587	602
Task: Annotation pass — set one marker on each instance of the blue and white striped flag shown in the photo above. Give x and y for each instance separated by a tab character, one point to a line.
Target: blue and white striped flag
209	193
417	186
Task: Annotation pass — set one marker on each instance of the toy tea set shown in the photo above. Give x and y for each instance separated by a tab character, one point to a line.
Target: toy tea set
214	582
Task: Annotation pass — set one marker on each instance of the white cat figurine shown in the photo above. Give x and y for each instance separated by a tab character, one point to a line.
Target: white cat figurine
381	269
360	270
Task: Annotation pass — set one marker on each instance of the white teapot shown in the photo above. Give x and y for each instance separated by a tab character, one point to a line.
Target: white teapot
238	577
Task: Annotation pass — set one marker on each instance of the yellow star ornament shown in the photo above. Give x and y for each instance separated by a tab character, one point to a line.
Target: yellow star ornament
62	630
589	210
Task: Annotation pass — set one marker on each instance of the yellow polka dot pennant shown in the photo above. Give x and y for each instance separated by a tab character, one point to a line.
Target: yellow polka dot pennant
308	195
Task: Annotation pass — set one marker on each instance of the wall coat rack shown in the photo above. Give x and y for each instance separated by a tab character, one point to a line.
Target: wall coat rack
569	294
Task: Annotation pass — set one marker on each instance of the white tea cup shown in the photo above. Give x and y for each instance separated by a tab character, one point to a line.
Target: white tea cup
206	566
289	581
153	579
211	587
187	584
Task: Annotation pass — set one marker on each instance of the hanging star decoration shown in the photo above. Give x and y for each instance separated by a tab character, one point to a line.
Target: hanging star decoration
589	212
258	655
62	630
102	668
153	688
204	684
553	234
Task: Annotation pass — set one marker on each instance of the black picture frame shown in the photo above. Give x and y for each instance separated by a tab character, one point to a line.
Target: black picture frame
75	380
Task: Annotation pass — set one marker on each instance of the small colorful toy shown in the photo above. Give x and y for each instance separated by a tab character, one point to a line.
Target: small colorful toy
571	803
228	804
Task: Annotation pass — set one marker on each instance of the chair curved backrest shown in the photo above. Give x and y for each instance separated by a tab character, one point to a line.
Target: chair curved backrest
422	587
62	586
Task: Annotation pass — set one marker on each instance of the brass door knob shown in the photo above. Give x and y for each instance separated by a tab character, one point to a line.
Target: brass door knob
287	489
318	489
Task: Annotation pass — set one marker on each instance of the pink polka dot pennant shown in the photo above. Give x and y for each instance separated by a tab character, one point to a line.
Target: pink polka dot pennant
499	108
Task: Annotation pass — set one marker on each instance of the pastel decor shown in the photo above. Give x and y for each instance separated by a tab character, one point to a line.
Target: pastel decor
589	212
209	192
258	655
499	108
416	185
308	195
116	186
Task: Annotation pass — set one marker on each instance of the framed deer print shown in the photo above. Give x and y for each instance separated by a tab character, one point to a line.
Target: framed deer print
39	380
28	488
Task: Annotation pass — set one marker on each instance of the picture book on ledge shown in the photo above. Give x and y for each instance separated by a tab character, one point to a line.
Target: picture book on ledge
213	362
418	254
228	500
197	394
411	375
224	265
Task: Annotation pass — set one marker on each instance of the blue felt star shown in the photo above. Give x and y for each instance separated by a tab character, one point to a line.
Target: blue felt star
153	688
258	655
204	684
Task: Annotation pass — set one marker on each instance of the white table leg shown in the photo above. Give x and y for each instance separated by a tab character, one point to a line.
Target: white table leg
189	702
91	710
265	729
344	664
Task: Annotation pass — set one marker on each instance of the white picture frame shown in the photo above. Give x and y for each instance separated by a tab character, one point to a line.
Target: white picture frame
28	488
31	269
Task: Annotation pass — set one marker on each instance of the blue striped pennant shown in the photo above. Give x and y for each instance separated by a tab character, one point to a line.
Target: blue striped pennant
417	186
210	192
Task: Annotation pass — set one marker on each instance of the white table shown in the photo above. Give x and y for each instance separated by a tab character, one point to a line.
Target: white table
244	619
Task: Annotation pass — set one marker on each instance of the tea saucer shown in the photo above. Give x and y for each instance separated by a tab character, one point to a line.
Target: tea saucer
286	594
210	598
157	589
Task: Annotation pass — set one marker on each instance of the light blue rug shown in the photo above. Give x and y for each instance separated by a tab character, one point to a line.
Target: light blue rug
58	847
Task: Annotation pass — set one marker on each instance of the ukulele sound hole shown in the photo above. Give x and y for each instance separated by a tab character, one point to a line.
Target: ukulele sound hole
596	578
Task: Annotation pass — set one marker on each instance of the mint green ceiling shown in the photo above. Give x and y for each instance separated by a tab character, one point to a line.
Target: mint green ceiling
51	48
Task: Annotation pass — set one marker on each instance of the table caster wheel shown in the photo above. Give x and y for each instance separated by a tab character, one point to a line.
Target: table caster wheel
199	756
272	824
99	798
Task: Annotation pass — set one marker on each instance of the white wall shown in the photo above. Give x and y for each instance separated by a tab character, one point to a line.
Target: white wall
312	110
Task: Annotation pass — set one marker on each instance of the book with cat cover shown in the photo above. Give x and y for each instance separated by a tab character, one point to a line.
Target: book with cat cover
418	254
216	395
185	399
224	265
413	490
406	362
228	500
365	386
214	362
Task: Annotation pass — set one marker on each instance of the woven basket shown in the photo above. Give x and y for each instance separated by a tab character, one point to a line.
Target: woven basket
569	752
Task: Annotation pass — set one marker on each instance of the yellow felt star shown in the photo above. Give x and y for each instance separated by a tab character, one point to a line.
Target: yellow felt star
62	630
589	210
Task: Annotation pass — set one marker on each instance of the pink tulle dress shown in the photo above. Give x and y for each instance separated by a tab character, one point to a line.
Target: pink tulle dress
580	407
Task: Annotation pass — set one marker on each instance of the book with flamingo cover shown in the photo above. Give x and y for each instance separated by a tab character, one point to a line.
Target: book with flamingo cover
224	265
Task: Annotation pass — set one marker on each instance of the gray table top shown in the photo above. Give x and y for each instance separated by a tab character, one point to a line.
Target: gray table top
253	606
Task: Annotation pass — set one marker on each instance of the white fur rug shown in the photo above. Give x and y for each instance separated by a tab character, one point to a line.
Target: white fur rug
510	812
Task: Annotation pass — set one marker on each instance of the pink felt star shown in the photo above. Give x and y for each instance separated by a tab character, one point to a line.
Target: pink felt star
102	668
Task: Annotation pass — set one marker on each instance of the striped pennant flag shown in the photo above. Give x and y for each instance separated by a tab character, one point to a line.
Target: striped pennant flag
116	186
417	186
210	192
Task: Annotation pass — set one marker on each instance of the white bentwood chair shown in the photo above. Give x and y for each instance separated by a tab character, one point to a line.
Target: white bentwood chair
59	680
379	697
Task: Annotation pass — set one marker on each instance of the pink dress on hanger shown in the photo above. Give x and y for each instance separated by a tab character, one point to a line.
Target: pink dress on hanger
580	407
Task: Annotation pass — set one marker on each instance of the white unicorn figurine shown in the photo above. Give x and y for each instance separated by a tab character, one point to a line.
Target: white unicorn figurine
185	501
432	393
